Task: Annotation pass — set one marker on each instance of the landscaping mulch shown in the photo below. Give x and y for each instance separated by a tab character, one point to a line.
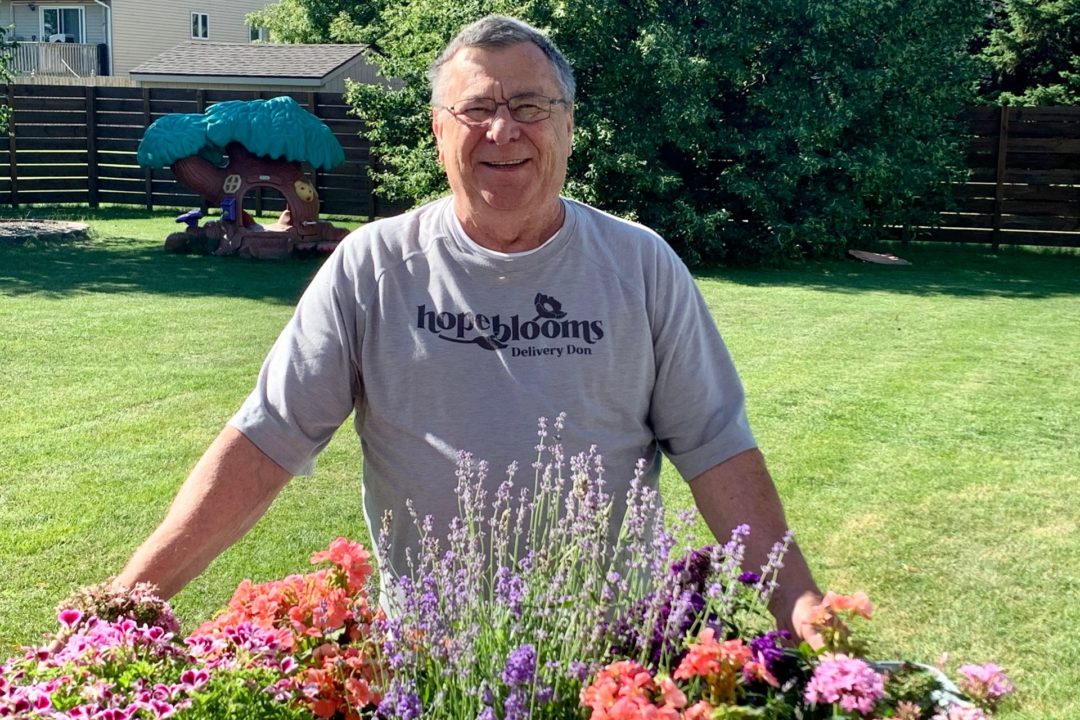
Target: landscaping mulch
19	231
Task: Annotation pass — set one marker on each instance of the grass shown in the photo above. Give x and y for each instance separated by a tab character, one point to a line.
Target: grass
923	425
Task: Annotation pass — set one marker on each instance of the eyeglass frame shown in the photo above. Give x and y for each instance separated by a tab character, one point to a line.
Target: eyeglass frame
460	114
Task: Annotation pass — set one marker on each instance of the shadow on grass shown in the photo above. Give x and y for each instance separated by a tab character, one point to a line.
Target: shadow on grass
936	269
88	267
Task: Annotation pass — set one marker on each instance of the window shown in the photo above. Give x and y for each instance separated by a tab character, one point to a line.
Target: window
258	34
200	26
63	24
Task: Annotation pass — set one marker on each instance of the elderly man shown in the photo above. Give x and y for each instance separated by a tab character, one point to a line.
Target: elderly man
456	325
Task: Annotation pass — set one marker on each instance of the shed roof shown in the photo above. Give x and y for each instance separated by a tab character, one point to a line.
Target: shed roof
232	62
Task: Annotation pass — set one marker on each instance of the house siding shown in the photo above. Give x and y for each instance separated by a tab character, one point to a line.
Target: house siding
26	23
145	28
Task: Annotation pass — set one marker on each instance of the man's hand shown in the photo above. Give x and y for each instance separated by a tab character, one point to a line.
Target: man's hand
798	618
740	491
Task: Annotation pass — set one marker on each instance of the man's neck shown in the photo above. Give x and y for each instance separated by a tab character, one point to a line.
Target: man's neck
516	235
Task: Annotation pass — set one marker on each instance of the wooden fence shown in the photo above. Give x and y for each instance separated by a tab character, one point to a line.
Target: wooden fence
1024	187
78	145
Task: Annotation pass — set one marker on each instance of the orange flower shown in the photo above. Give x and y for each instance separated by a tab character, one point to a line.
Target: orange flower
708	657
671	694
700	710
857	604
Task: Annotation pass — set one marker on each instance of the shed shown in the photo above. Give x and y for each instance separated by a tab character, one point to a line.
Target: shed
258	66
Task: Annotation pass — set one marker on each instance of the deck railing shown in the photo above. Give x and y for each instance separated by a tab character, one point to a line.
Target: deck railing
55	59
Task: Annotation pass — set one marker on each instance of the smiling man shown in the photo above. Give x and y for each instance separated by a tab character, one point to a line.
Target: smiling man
456	325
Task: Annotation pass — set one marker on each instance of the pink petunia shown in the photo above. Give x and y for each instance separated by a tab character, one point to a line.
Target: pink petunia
986	683
847	682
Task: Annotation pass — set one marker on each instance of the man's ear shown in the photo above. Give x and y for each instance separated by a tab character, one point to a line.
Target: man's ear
570	131
436	130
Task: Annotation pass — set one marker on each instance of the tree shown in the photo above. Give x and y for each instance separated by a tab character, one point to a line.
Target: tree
1032	52
744	130
315	21
6	49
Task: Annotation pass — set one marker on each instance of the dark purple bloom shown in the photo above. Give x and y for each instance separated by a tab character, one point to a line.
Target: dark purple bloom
520	666
750	578
768	647
693	569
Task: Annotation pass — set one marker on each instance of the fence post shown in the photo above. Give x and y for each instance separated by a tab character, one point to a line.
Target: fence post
149	174
999	178
13	165
91	143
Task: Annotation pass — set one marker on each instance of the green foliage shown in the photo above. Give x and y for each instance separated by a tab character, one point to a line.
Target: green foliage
1032	53
750	130
6	48
315	21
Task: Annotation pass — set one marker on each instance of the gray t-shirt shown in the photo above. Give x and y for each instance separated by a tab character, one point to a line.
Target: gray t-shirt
440	348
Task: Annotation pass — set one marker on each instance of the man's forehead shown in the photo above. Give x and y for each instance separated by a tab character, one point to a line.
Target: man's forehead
520	68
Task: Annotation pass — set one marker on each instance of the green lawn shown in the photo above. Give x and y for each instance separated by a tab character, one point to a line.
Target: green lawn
923	424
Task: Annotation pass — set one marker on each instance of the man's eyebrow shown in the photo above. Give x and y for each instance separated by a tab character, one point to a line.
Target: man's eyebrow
524	93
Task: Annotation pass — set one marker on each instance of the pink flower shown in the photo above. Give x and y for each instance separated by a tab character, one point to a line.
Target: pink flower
961	712
70	617
849	682
985	683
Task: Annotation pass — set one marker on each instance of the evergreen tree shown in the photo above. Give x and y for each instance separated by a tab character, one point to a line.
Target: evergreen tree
1032	53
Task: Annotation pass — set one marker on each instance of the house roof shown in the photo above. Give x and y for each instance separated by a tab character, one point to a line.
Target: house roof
254	62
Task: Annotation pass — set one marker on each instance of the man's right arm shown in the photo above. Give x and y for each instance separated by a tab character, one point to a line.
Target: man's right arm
230	488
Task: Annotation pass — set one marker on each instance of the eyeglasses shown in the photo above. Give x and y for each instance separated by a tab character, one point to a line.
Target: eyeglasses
523	108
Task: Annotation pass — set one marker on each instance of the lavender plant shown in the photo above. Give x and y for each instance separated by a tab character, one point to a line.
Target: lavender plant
532	590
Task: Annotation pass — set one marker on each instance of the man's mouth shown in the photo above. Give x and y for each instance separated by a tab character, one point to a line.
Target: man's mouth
504	163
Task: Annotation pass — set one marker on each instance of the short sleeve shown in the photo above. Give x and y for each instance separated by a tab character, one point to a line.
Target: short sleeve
698	406
311	377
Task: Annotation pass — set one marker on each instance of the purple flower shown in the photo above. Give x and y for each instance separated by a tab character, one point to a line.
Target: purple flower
516	706
520	666
849	682
399	703
749	578
769	647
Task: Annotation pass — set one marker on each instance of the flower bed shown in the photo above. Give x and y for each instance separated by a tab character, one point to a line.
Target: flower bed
527	609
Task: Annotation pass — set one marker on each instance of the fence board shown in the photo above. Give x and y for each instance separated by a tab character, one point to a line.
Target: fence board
1024	162
45	91
1007	237
51	170
51	131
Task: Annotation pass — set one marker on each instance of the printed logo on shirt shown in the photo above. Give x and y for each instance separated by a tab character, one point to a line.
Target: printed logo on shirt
494	332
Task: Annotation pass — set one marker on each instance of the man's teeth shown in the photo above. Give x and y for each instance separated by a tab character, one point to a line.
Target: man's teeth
504	162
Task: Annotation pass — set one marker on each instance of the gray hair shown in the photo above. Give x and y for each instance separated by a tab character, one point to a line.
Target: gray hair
499	31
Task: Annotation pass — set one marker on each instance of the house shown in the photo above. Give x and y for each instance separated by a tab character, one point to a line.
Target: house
82	40
261	66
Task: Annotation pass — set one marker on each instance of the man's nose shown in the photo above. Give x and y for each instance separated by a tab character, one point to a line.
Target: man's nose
503	128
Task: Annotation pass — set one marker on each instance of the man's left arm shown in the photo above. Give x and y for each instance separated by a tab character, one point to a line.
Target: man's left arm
740	490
